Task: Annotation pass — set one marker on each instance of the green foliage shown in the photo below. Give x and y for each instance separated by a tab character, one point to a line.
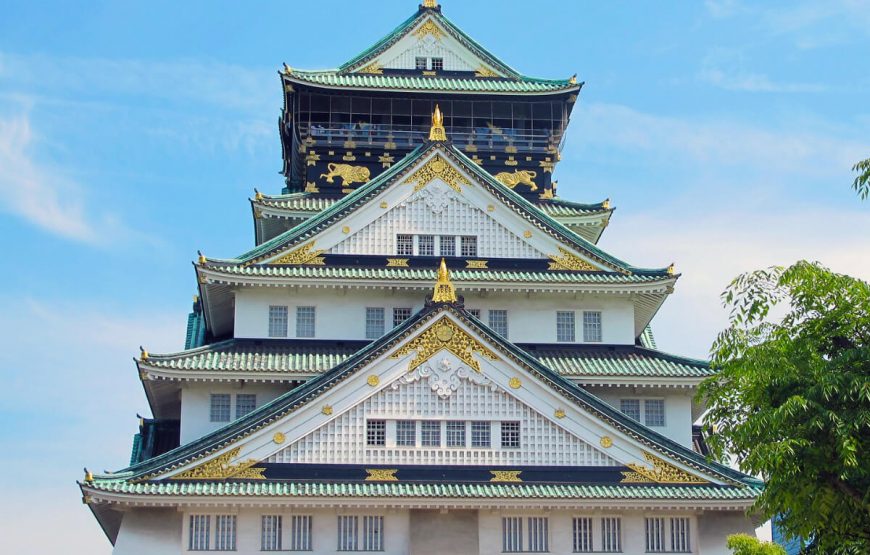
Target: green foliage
791	399
862	181
744	544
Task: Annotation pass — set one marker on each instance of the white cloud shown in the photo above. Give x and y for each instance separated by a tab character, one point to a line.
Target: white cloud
754	82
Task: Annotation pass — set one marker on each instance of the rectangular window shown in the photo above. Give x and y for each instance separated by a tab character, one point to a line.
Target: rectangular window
654	412
565	326
225	533
270	533
300	533
631	408
468	245
447	244
430	433
510	434
474	312
420	63
277	321
347	533
592	326
220	407
583	535
376	432
655	534
400	315
426	245
498	322
304	321
373	533
245	403
539	534
199	533
405	245
374	322
680	535
437	64
512	534
611	534
480	434
456	434
406	433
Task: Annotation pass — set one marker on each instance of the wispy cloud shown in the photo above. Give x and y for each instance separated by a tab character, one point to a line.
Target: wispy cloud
755	82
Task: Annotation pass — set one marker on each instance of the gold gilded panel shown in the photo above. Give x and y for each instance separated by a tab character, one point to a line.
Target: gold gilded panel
220	468
566	260
381	475
444	334
505	476
437	167
662	472
306	254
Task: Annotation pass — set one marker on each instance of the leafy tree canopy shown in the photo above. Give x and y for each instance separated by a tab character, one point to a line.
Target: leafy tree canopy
862	182
791	399
744	544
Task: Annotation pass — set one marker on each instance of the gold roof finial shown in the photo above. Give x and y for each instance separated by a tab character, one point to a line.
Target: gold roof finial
89	476
258	195
606	204
143	354
437	132
573	79
444	290
287	69
430	3
672	269
201	257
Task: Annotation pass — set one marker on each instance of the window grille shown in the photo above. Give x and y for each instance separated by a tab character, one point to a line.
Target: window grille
631	408
565	326
437	64
270	533
680	535
655	534
277	321
611	534
468	245
510	434
654	412
220	407
199	533
420	63
376	432
539	534
245	403
474	312
430	433
480	434
447	244
347	533
426	245
374	322
304	321
400	315
592	326
406	433
373	533
498	322
582	535
225	533
455	434
300	533
405	245
512	534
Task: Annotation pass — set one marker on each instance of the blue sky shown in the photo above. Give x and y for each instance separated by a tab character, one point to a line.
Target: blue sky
131	135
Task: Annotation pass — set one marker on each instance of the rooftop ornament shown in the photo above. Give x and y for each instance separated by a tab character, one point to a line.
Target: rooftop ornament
437	132
444	290
430	3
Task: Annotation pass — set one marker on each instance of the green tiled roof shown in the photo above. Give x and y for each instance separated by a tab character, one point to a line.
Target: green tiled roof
558	207
619	362
333	78
416	490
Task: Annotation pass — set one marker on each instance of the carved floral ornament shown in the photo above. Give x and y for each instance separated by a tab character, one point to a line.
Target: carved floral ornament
566	260
444	378
428	28
306	254
444	334
662	472
220	468
437	167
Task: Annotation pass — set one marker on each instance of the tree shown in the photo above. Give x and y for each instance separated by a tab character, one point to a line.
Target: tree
744	544
862	181
791	399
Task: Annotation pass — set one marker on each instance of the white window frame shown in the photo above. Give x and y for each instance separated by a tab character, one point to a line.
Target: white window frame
240	410
496	324
452	433
448	241
649	414
213	397
418	240
400	314
220	532
271	527
611	534
376	433
511	434
566	326
360	533
625	403
376	323
593	326
583	536
406	433
430	433
301	532
404	244
468	245
302	325
477	434
643	412
279	320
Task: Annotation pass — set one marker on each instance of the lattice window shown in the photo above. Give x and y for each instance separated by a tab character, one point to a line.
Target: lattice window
565	326
480	434
631	408
437	64
539	534
474	312
512	534
219	411
245	403
468	245
455	434
405	245
374	322
420	62
376	432
277	321
406	433
654	412
611	534
447	245
200	532
300	533
510	434
680	535
430	433
592	326
400	315
426	245
373	533
270	533
348	539
304	321
225	533
498	321
655	534
582	534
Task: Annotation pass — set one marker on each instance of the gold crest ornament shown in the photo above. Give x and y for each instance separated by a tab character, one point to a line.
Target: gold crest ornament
437	132
444	334
348	174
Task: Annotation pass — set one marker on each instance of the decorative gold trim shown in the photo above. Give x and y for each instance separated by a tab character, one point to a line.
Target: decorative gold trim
518	177
662	472
429	73
312	158
511	161
547	166
437	167
672	269
547	194
428	28
311	187
348	174
444	334
345	230
606	442
287	69
327	410
505	476
444	290
381	475
306	254
258	214
476	264
606	204
515	383
483	71
573	79
373	380
373	68
220	468
430	3
477	159
566	260
437	132
490	208
397	263
386	160
384	204
510	149
527	234
349	157
559	413
279	438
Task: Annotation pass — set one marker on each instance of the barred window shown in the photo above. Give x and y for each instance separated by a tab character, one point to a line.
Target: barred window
582	535
225	533
376	432
539	534
400	315
447	245
430	433
468	245
510	434
455	434
270	533
300	533
426	245
565	326
631	408
347	533
498	322
277	321
220	407
405	245
611	534
654	412
592	326
373	533
512	534
245	403
680	535
199	533
304	321
437	64
406	433
480	434
374	322
420	62
474	312
655	534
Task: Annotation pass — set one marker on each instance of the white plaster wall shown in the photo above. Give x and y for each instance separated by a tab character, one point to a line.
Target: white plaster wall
678	408
341	314
196	404
713	528
149	531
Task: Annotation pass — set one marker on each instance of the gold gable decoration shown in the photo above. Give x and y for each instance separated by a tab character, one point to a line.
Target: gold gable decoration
444	290
566	260
428	28
662	472
373	68
444	334
220	468
483	71
437	167
306	254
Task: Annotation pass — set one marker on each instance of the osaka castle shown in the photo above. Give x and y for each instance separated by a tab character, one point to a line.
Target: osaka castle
425	352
